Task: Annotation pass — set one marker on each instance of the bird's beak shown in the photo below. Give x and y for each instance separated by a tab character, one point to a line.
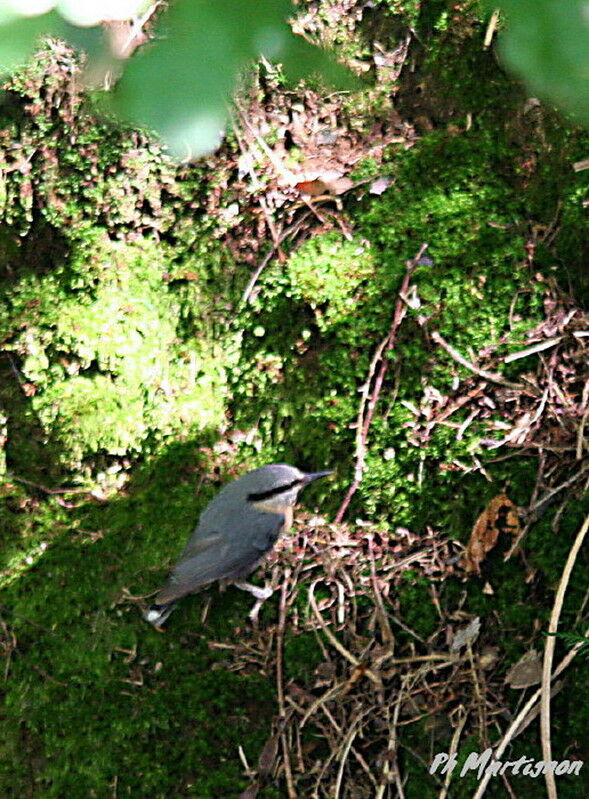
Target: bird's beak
308	478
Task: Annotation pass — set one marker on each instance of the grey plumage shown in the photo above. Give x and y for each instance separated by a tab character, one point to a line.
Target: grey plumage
234	533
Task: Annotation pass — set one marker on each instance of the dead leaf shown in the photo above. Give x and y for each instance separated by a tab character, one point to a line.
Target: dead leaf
535	712
466	636
500	516
29	389
380	185
489	657
326	184
250	792
527	671
314	188
268	756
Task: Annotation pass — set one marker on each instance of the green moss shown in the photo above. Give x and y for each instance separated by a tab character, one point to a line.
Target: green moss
98	342
68	169
119	338
409	10
94	693
417	609
302	655
326	273
473	222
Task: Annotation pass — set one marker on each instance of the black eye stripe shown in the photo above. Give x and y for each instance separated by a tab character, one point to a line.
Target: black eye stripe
272	492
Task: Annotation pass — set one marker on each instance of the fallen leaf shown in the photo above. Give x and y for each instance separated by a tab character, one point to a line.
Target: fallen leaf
527	671
250	792
489	657
326	184
466	636
268	756
312	187
29	389
500	516
380	185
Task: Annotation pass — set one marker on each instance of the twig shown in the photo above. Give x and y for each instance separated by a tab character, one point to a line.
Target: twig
514	727
479	695
533	510
321	700
543	345
4	609
268	257
280	686
490	376
340	647
256	185
491	28
391	759
367	405
386	632
581	434
256	274
349	740
549	654
9	647
356	754
45	490
453	749
549	494
393	744
581	610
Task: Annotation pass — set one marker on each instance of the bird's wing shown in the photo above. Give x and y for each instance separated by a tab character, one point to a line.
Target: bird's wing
216	556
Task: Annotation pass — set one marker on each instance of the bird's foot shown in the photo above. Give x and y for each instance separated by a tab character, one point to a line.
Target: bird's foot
255	612
158	614
260	594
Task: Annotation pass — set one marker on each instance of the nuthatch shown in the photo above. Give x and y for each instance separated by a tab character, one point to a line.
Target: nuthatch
234	533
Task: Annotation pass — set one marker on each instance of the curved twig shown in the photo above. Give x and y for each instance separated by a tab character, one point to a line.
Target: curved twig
549	655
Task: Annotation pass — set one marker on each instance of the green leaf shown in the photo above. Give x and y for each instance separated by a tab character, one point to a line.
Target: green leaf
301	59
182	83
19	36
547	43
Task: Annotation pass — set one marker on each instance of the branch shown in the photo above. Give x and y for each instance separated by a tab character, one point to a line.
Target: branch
370	398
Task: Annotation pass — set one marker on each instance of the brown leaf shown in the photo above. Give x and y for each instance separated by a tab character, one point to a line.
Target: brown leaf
268	756
526	672
466	636
488	657
250	792
315	188
326	184
500	516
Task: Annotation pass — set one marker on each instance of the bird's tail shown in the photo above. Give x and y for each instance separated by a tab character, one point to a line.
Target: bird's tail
158	614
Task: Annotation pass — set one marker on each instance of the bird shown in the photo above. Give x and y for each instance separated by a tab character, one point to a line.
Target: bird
235	532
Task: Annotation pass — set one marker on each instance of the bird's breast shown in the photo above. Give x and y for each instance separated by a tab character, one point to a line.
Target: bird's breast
278	510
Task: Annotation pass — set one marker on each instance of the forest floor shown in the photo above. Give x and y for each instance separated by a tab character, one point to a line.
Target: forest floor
409	300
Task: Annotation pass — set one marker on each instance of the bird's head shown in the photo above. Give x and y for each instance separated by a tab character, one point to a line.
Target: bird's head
276	486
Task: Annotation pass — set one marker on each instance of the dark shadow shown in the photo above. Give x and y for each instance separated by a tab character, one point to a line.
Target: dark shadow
39	251
159	710
28	452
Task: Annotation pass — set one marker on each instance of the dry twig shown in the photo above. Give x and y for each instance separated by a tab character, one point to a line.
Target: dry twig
549	654
371	391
